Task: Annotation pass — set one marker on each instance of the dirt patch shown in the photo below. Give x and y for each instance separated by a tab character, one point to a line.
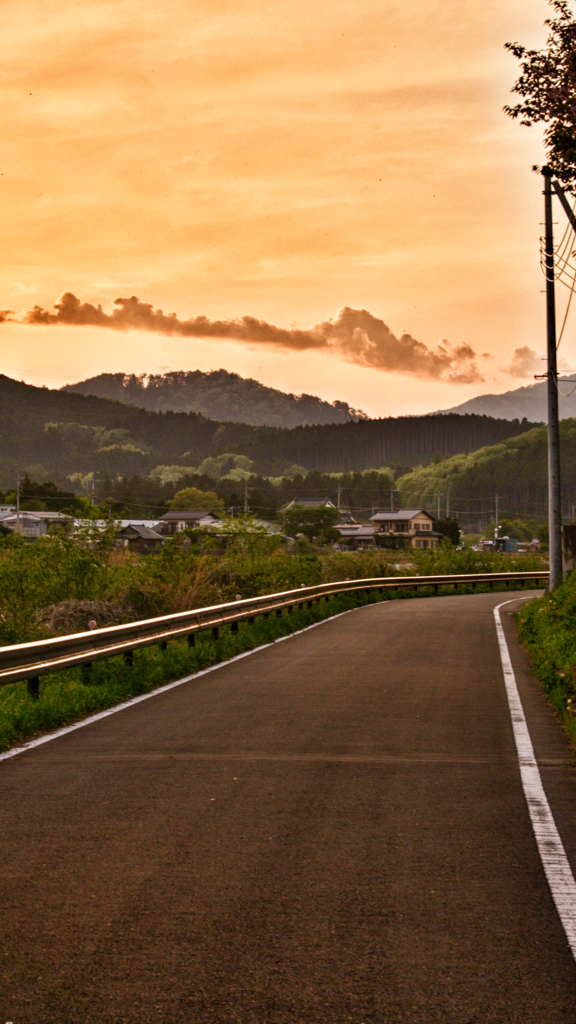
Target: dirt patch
74	616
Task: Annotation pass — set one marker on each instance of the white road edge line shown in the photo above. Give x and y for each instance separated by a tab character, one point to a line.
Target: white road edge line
552	853
14	751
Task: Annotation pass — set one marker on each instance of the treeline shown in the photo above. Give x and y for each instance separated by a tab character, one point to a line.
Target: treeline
360	492
218	395
56	434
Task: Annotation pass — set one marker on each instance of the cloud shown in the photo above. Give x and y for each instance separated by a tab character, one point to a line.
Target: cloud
354	334
524	363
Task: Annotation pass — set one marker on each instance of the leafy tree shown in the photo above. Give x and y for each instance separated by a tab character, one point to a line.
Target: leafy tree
449	528
191	498
516	528
547	86
314	523
36	497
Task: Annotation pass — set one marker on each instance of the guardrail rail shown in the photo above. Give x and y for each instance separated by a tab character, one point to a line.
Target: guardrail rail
31	660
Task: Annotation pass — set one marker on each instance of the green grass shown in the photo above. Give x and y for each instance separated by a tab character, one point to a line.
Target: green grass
547	627
71	695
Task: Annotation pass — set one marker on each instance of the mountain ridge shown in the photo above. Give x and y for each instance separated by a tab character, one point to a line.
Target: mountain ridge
528	402
218	395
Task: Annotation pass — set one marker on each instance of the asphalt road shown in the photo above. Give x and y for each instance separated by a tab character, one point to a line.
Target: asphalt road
330	831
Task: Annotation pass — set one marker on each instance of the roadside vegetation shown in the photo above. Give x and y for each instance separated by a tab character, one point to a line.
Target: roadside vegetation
547	627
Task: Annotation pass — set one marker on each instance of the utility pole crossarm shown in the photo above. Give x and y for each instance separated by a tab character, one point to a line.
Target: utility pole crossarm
565	204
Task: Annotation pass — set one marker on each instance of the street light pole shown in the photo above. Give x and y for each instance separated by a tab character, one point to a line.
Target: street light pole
554	496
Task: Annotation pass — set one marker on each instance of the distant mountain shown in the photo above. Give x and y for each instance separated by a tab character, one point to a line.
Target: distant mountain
529	402
218	395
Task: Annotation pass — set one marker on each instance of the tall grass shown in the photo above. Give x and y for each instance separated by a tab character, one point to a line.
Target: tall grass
547	627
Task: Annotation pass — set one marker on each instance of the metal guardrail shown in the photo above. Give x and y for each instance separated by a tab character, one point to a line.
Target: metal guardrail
31	660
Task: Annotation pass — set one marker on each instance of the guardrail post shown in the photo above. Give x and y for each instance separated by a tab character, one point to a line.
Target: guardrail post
191	639
279	613
86	672
129	658
33	687
163	645
234	627
215	632
310	603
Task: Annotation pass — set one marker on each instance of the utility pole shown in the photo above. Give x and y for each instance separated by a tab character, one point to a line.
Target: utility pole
554	497
448	503
17	502
497	516
246	497
438	516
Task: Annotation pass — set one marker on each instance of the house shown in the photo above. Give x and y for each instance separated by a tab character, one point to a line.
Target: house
356	535
412	527
37	524
176	520
140	537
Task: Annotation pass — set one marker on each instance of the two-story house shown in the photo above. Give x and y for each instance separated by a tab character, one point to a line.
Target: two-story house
413	525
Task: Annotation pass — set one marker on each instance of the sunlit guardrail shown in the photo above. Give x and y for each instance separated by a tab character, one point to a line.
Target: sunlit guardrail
32	660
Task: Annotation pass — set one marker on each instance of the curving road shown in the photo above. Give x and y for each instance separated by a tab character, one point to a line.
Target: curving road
329	831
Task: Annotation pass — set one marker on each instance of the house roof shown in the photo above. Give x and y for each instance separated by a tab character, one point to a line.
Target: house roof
355	530
310	503
142	531
405	514
192	515
150	523
23	517
50	516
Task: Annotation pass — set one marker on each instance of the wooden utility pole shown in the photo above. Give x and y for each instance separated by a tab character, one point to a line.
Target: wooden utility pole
554	494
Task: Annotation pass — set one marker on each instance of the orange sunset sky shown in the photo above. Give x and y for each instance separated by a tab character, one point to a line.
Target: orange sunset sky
275	161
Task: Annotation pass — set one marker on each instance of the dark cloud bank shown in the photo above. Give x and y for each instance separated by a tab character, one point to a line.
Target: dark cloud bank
354	334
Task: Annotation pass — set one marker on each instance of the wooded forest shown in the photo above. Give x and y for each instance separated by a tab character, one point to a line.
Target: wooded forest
514	472
54	434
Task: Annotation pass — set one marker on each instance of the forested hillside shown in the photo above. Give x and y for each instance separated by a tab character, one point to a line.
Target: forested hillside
219	395
56	433
514	470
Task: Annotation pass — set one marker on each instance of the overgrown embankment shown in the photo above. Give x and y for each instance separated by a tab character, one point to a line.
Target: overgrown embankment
547	627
